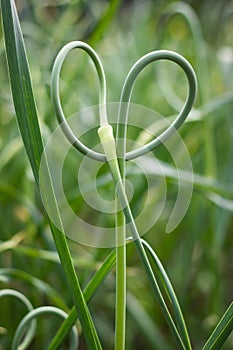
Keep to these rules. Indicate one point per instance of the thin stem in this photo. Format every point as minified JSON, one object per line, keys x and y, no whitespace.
{"x":108,"y":143}
{"x":109,"y":146}
{"x":121,"y":285}
{"x":114,"y":168}
{"x":120,"y":317}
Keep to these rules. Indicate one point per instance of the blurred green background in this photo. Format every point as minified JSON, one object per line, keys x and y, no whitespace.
{"x":198,"y":254}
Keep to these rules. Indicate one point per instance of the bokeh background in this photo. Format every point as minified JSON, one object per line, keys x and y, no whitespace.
{"x":198,"y":254}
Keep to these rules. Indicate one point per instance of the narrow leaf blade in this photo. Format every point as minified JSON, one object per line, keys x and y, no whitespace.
{"x":21,"y":86}
{"x":27,"y":118}
{"x":221,"y":331}
{"x":167,"y":288}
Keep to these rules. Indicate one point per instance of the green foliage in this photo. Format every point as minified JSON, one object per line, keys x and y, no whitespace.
{"x":198,"y":254}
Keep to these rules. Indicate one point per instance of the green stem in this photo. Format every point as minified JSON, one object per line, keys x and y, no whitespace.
{"x":121,"y":284}
{"x":109,"y":146}
{"x":113,"y":165}
{"x":120,"y":317}
{"x":108,"y":143}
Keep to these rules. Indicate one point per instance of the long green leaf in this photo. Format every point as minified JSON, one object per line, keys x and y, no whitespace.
{"x":166,"y":287}
{"x":29,"y":127}
{"x":221,"y":331}
{"x":21,"y":86}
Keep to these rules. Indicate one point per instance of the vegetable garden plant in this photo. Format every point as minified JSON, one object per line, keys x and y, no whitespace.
{"x":78,"y":320}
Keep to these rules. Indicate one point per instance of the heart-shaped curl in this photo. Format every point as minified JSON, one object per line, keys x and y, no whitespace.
{"x":125,"y":100}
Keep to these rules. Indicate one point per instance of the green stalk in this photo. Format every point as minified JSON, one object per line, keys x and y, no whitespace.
{"x":121,"y":285}
{"x":120,"y":313}
{"x":120,"y":316}
{"x":108,"y":143}
{"x":113,"y":165}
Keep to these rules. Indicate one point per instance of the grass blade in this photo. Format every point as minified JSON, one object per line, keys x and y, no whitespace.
{"x":29,"y":127}
{"x":100,"y":275}
{"x":21,"y":85}
{"x":105,"y":20}
{"x":221,"y":331}
{"x":221,"y":202}
{"x":167,"y":288}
